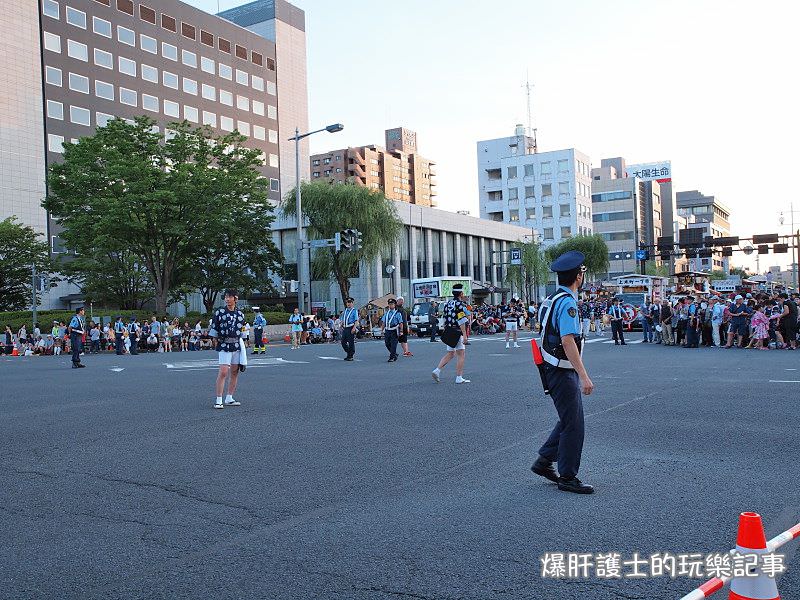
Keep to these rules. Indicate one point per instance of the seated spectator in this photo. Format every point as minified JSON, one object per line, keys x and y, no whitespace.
{"x":152,"y":342}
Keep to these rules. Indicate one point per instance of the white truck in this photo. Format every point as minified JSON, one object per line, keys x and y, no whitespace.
{"x":634,"y":289}
{"x":429,"y":290}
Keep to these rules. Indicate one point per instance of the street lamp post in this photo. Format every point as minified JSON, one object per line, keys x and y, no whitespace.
{"x":796,"y":236}
{"x":301,"y":282}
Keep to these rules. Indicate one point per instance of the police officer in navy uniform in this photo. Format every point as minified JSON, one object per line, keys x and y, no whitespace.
{"x":76,"y":330}
{"x":349,"y":327}
{"x":566,"y":376}
{"x":391,"y":323}
{"x":133,"y":334}
{"x":259,"y":322}
{"x":119,"y":334}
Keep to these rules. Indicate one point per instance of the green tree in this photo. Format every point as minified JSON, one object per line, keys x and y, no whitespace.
{"x":533,"y":272}
{"x":650,"y":268}
{"x":111,"y":277}
{"x":740,"y":271}
{"x":20,"y":249}
{"x":163,"y":201}
{"x":329,"y":208}
{"x":593,"y":247}
{"x":717,"y":274}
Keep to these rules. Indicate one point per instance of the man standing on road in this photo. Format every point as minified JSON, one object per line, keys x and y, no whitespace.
{"x":585,"y":315}
{"x":349,"y":325}
{"x":259,"y":322}
{"x":76,"y":331}
{"x":391,"y":323}
{"x":433,"y":319}
{"x":511,"y":320}
{"x":617,"y":314}
{"x":133,"y":333}
{"x":402,"y":334}
{"x":666,"y":323}
{"x":119,"y":334}
{"x":565,"y":375}
{"x":227,"y":325}
{"x":738,"y":326}
{"x":454,"y":335}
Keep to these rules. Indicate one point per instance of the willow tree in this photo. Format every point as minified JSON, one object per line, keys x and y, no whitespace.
{"x":533,"y":271}
{"x":331,"y":207}
{"x":593,"y":247}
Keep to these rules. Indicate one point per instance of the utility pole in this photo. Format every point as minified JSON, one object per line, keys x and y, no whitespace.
{"x":33,"y":294}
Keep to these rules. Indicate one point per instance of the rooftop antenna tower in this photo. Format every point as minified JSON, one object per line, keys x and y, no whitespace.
{"x":532,"y":147}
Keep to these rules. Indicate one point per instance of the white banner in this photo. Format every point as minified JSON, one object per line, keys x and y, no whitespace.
{"x":658,"y":171}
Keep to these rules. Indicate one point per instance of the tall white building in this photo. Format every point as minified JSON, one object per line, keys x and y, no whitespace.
{"x":550,"y":192}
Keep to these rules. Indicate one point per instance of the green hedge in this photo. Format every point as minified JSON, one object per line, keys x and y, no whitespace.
{"x":46,"y":317}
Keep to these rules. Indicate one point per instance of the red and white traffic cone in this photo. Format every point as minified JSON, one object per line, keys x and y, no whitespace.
{"x":751,"y":540}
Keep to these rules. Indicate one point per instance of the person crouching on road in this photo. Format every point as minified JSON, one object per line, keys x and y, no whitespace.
{"x":391,"y":324}
{"x":454,"y":335}
{"x":227,"y":325}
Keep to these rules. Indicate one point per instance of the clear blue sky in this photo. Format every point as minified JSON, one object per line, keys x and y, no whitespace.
{"x":709,"y":84}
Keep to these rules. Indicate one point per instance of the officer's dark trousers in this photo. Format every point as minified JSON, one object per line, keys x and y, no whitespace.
{"x":565,"y":443}
{"x":134,"y":345}
{"x":258,"y":339}
{"x":119,"y":343}
{"x":433,"y":331}
{"x":348,"y":342}
{"x":76,"y":342}
{"x":390,"y":339}
{"x":616,"y":331}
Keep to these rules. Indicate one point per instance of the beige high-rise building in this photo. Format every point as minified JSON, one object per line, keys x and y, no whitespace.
{"x":396,"y":169}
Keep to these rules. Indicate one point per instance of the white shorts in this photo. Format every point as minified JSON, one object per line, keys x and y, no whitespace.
{"x":459,"y":345}
{"x":229,"y":358}
{"x":512,"y":325}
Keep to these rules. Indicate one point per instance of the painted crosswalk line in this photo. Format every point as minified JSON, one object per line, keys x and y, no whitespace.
{"x":213,"y":364}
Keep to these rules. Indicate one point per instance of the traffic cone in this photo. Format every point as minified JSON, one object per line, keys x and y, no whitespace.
{"x":751,"y":540}
{"x":15,"y":352}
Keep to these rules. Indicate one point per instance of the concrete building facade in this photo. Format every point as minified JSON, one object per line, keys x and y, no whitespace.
{"x":546,"y":191}
{"x":710,"y":216}
{"x":396,"y":169}
{"x":627,"y":213}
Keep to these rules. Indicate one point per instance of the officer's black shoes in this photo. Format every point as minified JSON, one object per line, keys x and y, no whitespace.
{"x":349,"y":358}
{"x":78,"y":366}
{"x":544,"y":467}
{"x":574,"y":485}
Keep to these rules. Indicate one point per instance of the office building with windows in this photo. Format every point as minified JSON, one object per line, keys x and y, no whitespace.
{"x":397,"y":169}
{"x":546,"y":191}
{"x":627,"y":214}
{"x":433,"y":243}
{"x":72,"y":65}
{"x":710,"y":216}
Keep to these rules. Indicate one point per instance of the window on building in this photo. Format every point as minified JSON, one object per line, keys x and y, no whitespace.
{"x":529,"y":191}
{"x":52,"y":42}
{"x":50,"y":9}
{"x":170,"y":80}
{"x":547,"y":190}
{"x":209,"y":118}
{"x":566,"y":232}
{"x":243,"y":127}
{"x":208,"y":65}
{"x":80,"y":116}
{"x":55,"y":143}
{"x":171,"y":109}
{"x":79,"y":83}
{"x":129,"y":97}
{"x":224,"y":45}
{"x":190,"y":113}
{"x":127,"y":66}
{"x":617,"y":236}
{"x":148,"y":43}
{"x":258,"y":107}
{"x":169,"y":51}
{"x":621,"y":215}
{"x":513,"y":194}
{"x":147,"y":14}
{"x":52,"y":76}
{"x":225,"y":71}
{"x":257,"y":59}
{"x":103,"y":59}
{"x":530,"y":213}
{"x":77,"y":50}
{"x":272,"y":89}
{"x":272,"y":112}
{"x":259,"y":132}
{"x":511,"y":172}
{"x":513,"y":215}
{"x":563,"y":187}
{"x":226,"y":98}
{"x":150,"y":103}
{"x":55,"y":110}
{"x":125,"y":6}
{"x":563,"y":166}
{"x":206,"y":38}
{"x":529,"y":170}
{"x":169,"y":23}
{"x":226,"y":123}
{"x":103,"y":119}
{"x":243,"y":103}
{"x":149,"y":73}
{"x":545,"y":168}
{"x":101,"y":27}
{"x":270,"y":64}
{"x":188,"y":31}
{"x":273,"y":160}
{"x":258,"y":83}
{"x":126,"y":36}
{"x":209,"y":92}
{"x":189,"y":58}
{"x":565,"y":210}
{"x":76,"y":17}
{"x":190,"y":86}
{"x":547,"y":212}
{"x":548,"y":233}
{"x":272,"y":136}
{"x":103,"y":90}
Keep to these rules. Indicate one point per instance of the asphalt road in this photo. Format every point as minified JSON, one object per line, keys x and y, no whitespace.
{"x":366,"y":480}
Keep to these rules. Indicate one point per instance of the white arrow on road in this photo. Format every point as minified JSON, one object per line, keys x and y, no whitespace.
{"x":117,"y":369}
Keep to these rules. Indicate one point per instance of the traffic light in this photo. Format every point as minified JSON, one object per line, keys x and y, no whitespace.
{"x":345,"y":240}
{"x":358,"y":239}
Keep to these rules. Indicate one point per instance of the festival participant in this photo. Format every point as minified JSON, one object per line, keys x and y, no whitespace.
{"x":227,"y":326}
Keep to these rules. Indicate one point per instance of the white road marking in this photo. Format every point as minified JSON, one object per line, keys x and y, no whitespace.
{"x":606,"y":342}
{"x":632,"y":342}
{"x":784,"y":380}
{"x":213,"y":364}
{"x":786,"y":369}
{"x":330,"y":358}
{"x":117,"y":369}
{"x":594,"y":341}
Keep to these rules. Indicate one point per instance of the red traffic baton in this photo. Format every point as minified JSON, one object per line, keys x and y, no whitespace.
{"x":538,"y":360}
